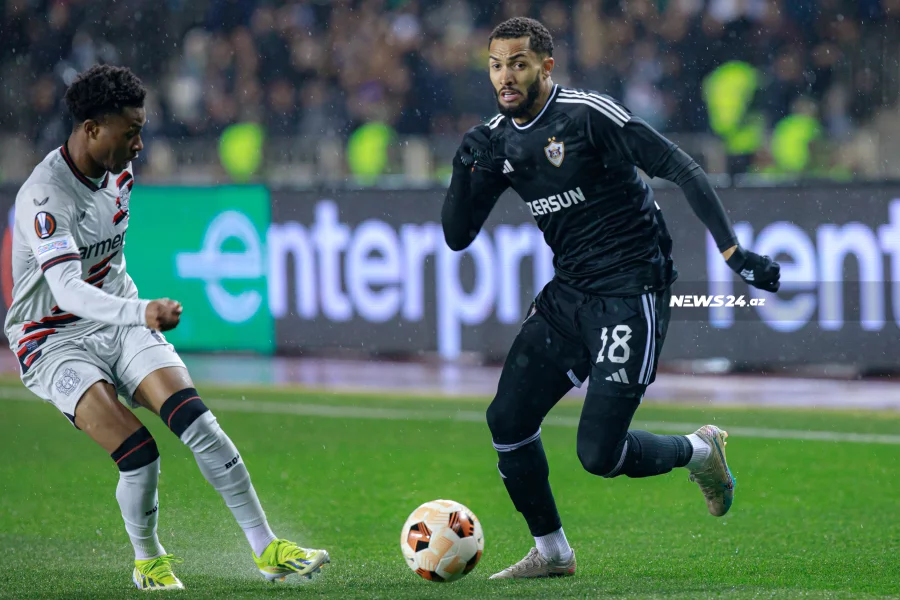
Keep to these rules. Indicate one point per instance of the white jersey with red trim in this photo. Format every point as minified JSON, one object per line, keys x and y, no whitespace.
{"x":62,"y":216}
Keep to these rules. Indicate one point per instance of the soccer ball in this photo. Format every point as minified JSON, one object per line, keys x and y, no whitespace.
{"x":442,"y":541}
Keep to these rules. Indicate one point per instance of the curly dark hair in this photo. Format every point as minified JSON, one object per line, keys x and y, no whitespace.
{"x":103,"y":90}
{"x":540,"y":39}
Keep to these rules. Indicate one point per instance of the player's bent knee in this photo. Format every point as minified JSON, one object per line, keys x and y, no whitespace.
{"x":602,"y":457}
{"x":101,"y":416}
{"x":509,"y":426}
{"x":136,"y":452}
{"x":495,"y":417}
{"x":181,"y":410}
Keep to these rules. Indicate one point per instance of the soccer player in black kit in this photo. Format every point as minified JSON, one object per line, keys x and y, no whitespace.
{"x":572,"y":156}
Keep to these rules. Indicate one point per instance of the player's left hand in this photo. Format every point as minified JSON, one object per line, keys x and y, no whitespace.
{"x":759,"y":271}
{"x":475,"y":148}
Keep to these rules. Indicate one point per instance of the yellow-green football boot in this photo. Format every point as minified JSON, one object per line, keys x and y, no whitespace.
{"x":282,"y":558}
{"x":156,"y":574}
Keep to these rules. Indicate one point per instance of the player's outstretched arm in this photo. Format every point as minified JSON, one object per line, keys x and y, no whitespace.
{"x":646,"y":148}
{"x":73,"y":295}
{"x":473,"y":192}
{"x":759,"y":271}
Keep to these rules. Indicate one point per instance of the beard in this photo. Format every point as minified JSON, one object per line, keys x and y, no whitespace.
{"x":525,"y":106}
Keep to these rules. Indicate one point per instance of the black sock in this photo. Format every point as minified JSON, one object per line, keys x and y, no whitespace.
{"x":526,"y":476}
{"x":650,"y":454}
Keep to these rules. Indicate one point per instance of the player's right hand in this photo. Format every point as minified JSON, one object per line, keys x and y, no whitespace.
{"x":475,"y":149}
{"x":759,"y":271}
{"x":163,"y":314}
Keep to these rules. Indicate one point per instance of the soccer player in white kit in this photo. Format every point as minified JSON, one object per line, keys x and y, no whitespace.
{"x":83,"y":335}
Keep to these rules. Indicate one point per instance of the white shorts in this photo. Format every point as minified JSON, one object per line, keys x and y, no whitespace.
{"x":121,"y":355}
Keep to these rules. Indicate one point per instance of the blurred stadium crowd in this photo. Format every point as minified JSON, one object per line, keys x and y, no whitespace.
{"x":760,"y":86}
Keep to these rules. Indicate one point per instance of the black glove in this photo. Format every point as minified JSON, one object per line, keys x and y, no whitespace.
{"x":475,"y":149}
{"x":759,"y":271}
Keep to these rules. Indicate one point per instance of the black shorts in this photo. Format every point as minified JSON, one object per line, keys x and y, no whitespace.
{"x":616,"y":341}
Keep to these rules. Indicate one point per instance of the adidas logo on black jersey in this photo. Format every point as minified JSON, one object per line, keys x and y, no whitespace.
{"x":552,"y":204}
{"x":507,"y":168}
{"x":619,"y":377}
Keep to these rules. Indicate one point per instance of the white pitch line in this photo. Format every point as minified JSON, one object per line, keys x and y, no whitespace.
{"x":471,"y":416}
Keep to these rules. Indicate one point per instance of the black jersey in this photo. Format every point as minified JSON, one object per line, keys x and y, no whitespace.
{"x":574,"y":165}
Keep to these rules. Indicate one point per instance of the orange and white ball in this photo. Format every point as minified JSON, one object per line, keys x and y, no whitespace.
{"x":442,"y":541}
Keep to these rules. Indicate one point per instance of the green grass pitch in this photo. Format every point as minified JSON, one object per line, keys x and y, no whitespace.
{"x":811,"y":519}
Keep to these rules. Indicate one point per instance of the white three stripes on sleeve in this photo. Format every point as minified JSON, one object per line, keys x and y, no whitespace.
{"x":600,"y":101}
{"x":597,"y":102}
